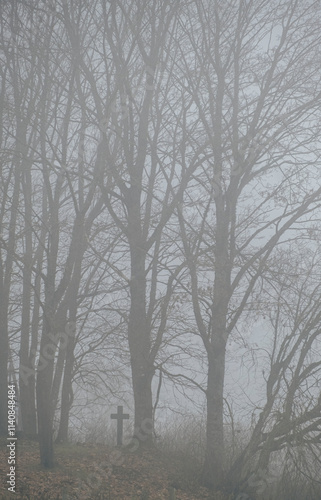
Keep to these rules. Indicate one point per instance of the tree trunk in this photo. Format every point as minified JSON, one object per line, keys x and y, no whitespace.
{"x":214,"y":453}
{"x":44,"y":391}
{"x":72,"y":302}
{"x":5,"y":285}
{"x":25,"y":369}
{"x":139,"y":345}
{"x":44,"y":426}
{"x":26,"y":373}
{"x":142,"y":381}
{"x":3,"y":370}
{"x":27,"y":401}
{"x":44,"y":411}
{"x":66,"y":398}
{"x":66,"y":395}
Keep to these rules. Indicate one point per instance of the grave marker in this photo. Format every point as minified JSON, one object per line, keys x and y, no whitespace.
{"x":119,"y":416}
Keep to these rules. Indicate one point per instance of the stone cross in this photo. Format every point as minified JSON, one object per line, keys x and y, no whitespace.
{"x":119,"y":416}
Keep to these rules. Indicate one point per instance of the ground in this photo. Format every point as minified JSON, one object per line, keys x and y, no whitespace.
{"x":99,"y":473}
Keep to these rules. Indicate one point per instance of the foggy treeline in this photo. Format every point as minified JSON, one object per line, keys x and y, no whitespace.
{"x":160,"y":199}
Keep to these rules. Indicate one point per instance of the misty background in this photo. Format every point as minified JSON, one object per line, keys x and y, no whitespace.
{"x":160,"y":228}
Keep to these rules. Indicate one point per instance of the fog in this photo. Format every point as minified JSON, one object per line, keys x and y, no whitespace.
{"x":160,"y":234}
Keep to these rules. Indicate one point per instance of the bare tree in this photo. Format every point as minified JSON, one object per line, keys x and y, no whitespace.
{"x":289,"y":415}
{"x":13,"y":148}
{"x":139,"y":117}
{"x":253,"y":74}
{"x":57,"y":218}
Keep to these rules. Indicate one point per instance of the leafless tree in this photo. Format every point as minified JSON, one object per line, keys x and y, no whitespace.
{"x":13,"y":149}
{"x":140,"y":131}
{"x":288,"y":417}
{"x":59,"y":203}
{"x":252,"y":71}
